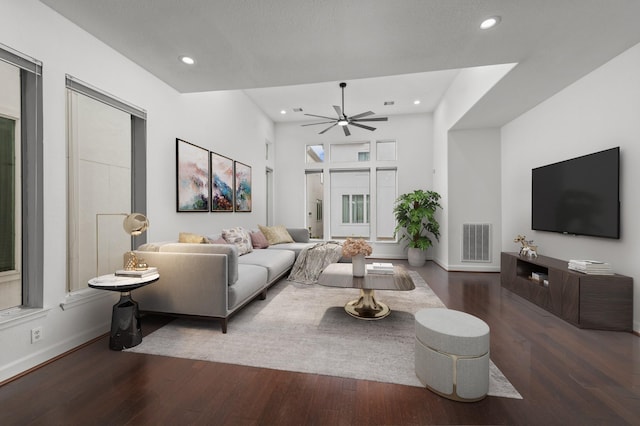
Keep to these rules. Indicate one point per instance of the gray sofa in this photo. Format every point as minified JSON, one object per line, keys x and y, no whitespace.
{"x":211,"y":280}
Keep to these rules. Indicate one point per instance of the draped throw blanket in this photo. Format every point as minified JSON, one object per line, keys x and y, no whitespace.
{"x":312,"y":260}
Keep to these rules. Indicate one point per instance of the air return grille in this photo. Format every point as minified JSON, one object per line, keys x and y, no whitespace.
{"x":476,"y":242}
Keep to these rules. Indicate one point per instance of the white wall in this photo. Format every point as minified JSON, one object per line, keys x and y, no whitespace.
{"x":469,"y":86}
{"x":225,"y":122}
{"x":474,"y":192}
{"x":413,"y":134}
{"x":599,"y":111}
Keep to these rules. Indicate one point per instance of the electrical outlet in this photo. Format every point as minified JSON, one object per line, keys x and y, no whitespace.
{"x":36,"y":334}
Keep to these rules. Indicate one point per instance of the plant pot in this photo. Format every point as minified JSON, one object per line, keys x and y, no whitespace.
{"x":357,"y":263}
{"x":416,"y":256}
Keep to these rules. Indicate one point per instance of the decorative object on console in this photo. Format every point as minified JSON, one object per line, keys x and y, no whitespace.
{"x":356,"y":249}
{"x":192,"y":176}
{"x":526,"y":249}
{"x":243,"y":187}
{"x":591,"y":267}
{"x":135,"y":224}
{"x":415,"y":217}
{"x":222,"y":187}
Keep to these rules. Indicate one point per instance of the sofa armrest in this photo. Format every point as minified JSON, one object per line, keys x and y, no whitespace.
{"x":190,"y":283}
{"x":299,"y":235}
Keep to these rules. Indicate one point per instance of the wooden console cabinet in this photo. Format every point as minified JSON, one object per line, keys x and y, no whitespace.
{"x":603,"y":302}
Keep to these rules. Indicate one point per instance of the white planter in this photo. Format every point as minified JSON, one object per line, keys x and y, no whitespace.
{"x":416,"y":256}
{"x":357,"y":263}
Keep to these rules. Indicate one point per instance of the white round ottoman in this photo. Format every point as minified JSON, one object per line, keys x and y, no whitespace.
{"x":452,"y":353}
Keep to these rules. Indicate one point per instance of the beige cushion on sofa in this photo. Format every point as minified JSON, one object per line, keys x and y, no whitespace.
{"x":276,"y":234}
{"x":188,"y":237}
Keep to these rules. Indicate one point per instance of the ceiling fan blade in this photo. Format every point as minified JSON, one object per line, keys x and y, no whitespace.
{"x":338,"y":110}
{"x":364,"y":114}
{"x":321,"y":116}
{"x":330,"y":127}
{"x":363,"y":126}
{"x":322,"y":122}
{"x":346,"y":131}
{"x":371,"y":119}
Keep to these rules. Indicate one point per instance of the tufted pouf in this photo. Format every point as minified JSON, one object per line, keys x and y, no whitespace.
{"x":452,"y":353}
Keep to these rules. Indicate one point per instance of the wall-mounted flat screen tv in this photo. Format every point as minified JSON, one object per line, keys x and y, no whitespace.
{"x":580,"y":196}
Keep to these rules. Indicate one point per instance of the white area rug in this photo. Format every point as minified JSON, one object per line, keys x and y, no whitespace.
{"x":304,"y":328}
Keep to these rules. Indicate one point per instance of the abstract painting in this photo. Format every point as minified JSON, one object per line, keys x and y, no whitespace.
{"x":221,"y":183}
{"x":243,"y":187}
{"x":192,"y":176}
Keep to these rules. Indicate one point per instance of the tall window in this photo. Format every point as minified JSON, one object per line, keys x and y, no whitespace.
{"x":314,"y":202}
{"x":106,"y":139}
{"x":361,"y":191}
{"x":21,"y":212}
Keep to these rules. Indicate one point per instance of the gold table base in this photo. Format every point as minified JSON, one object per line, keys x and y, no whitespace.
{"x":367,"y":307}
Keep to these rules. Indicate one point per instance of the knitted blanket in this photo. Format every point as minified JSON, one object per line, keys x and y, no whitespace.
{"x":312,"y":260}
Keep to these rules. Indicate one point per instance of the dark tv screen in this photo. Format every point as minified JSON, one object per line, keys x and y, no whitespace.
{"x":579,"y":196}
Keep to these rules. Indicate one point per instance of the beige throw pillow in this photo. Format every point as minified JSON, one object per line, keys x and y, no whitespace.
{"x":276,"y":234}
{"x":188,"y":237}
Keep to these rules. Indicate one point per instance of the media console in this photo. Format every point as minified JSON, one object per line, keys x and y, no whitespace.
{"x":603,"y":302}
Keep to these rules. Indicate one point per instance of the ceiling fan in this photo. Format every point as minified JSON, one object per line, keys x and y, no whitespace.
{"x":343,"y":120}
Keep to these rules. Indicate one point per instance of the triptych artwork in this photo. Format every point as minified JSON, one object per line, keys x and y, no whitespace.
{"x":208,"y":181}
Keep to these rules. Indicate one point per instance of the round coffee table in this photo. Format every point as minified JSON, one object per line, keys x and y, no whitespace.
{"x":126,"y":331}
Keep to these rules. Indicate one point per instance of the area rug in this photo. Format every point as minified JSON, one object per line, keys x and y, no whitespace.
{"x":304,"y":328}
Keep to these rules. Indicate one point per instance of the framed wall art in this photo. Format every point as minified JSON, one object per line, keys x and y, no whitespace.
{"x":243,"y":187}
{"x":222,"y":187}
{"x":192,"y":177}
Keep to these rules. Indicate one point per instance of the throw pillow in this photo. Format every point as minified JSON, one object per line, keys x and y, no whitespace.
{"x":218,"y":240}
{"x":276,"y":234}
{"x":258,"y":240}
{"x":240,"y":237}
{"x":188,"y":237}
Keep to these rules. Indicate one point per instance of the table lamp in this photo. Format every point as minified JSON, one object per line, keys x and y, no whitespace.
{"x":134,"y":224}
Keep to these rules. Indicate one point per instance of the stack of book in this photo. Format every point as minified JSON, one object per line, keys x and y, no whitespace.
{"x":137,"y":274}
{"x":591,"y":267}
{"x":380,"y":268}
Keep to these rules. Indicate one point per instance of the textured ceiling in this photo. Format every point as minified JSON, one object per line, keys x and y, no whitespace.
{"x":252,"y":44}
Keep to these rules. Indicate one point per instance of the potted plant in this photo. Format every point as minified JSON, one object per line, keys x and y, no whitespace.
{"x":415,"y":221}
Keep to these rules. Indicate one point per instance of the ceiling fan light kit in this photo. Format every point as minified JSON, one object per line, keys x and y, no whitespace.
{"x":344,"y":120}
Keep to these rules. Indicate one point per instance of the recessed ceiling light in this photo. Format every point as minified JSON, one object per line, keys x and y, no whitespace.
{"x":283,"y":112}
{"x":416,"y":102}
{"x":187,"y":60}
{"x":490,"y":22}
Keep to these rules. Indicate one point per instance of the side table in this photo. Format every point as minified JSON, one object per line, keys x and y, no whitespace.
{"x":125,"y":318}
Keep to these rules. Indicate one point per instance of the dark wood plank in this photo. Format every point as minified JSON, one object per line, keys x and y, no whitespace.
{"x":566,"y":375}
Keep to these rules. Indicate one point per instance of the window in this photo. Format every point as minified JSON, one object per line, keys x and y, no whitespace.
{"x":21,"y":236}
{"x":315,"y":154}
{"x":106,"y":180}
{"x":361,"y":190}
{"x":349,"y":203}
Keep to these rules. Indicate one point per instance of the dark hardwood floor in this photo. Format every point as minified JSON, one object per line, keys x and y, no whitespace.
{"x":567,"y":376}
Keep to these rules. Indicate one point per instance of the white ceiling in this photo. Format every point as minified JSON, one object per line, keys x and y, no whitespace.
{"x":293,"y":53}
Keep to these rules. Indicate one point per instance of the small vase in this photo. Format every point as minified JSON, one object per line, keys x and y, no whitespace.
{"x":357,"y":262}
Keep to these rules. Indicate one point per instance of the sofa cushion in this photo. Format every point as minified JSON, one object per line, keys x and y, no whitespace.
{"x":230,"y":250}
{"x":188,"y":237}
{"x":294,"y":247}
{"x":240,"y":237}
{"x":258,"y":240}
{"x":252,"y":280}
{"x":277,"y":262}
{"x":299,"y":235}
{"x":276,"y":234}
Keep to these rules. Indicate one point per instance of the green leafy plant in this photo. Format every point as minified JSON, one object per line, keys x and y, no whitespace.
{"x":415,"y":217}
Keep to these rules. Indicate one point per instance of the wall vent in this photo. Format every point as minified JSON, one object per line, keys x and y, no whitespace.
{"x":476,"y":242}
